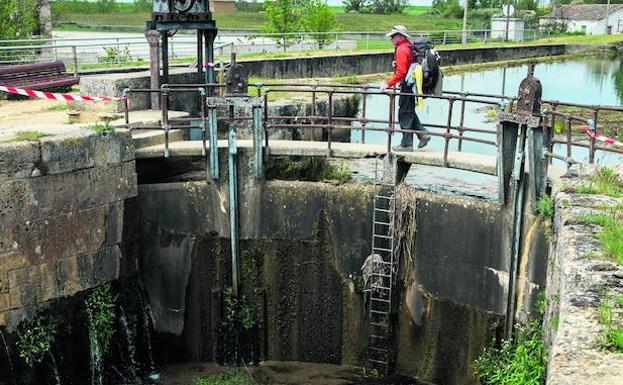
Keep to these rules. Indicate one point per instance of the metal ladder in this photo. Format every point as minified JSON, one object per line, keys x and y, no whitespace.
{"x":384,"y":275}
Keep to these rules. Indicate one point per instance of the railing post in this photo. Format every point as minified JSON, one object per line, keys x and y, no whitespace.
{"x":313,"y":113}
{"x":591,"y":152}
{"x":364,"y":114}
{"x":330,"y":121}
{"x":445,"y":36}
{"x":204,"y":121}
{"x":233,"y":207}
{"x":462,"y":122}
{"x":448,"y":134}
{"x":75,"y":57}
{"x":165,"y":118}
{"x":390,"y":127}
{"x":213,"y":127}
{"x":257,"y":142}
{"x":266,"y":91}
{"x":126,"y":107}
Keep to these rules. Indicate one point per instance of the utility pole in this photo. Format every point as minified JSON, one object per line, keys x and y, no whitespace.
{"x":607,"y":16}
{"x":464,"y":39}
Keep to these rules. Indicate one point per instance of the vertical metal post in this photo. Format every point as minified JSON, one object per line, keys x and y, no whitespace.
{"x":364,"y":110}
{"x":165,"y":57}
{"x":126,"y":107}
{"x":200,"y":77}
{"x":75,"y":57}
{"x":204,"y":120}
{"x":330,"y":120}
{"x":390,"y":128}
{"x":233,"y":207}
{"x":462,"y":123}
{"x":165,"y":119}
{"x":518,"y":184}
{"x":313,"y":113}
{"x":266,"y":90}
{"x":257,"y":142}
{"x":209,"y":65}
{"x":569,"y":149}
{"x":448,"y":134}
{"x":591,"y":150}
{"x":213,"y":127}
{"x":153,"y":39}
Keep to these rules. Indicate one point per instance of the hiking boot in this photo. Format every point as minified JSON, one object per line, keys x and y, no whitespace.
{"x":402,"y":148}
{"x":424,"y":141}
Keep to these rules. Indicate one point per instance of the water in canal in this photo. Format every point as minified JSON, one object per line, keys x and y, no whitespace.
{"x":586,"y":80}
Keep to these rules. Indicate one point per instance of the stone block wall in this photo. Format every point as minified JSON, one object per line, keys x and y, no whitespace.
{"x":61,"y":216}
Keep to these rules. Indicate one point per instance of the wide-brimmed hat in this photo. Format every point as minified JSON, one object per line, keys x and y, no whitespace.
{"x":399,"y":30}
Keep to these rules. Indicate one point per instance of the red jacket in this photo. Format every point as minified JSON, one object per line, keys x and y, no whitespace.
{"x":403,"y":57}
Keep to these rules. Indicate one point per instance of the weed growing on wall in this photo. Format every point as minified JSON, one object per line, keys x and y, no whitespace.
{"x":520,"y":361}
{"x":605,"y":182}
{"x":36,"y":336}
{"x":611,"y":320}
{"x":101,"y":306}
{"x":238,"y":310}
{"x":611,"y":233}
{"x":102,"y":128}
{"x":545,"y":207}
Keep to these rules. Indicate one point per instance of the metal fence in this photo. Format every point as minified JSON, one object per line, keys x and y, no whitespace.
{"x":98,"y":52}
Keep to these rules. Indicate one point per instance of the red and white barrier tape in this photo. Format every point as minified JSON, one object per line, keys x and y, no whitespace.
{"x":602,"y":138}
{"x":57,"y":96}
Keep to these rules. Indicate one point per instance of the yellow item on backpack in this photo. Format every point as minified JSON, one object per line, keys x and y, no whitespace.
{"x":418,"y":75}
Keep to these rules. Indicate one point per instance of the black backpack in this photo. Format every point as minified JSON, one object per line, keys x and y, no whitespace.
{"x":425,"y":54}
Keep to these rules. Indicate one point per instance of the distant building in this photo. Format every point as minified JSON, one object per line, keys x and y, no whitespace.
{"x":588,"y":18}
{"x":515,"y":28}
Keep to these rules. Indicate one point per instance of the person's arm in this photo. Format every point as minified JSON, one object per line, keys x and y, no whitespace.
{"x":402,"y":66}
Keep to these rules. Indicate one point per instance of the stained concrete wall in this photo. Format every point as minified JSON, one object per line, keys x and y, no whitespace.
{"x":61,"y":216}
{"x":310,"y":240}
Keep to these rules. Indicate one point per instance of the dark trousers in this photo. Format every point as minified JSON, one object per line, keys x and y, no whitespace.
{"x":407,"y":117}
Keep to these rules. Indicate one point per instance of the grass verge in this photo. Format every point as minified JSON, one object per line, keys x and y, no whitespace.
{"x":236,"y":377}
{"x":611,"y":320}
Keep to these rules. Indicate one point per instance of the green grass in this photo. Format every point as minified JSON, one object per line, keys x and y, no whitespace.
{"x":545,"y":207}
{"x":254,"y":21}
{"x":237,"y":377}
{"x":611,"y":320}
{"x":102,"y":128}
{"x":516,"y":362}
{"x":611,"y":234}
{"x":29,"y":136}
{"x":59,"y":107}
{"x":605,"y":182}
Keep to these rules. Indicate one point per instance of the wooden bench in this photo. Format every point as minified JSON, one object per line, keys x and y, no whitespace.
{"x":39,"y":76}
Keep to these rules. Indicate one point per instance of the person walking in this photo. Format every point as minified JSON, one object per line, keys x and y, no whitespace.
{"x":408,"y":119}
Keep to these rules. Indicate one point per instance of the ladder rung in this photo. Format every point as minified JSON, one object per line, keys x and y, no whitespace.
{"x":380,"y":300}
{"x":383,"y":236}
{"x":390,"y":198}
{"x":378,"y":312}
{"x":382,"y":350}
{"x":377,"y":361}
{"x":383,"y":210}
{"x":382,"y":249}
{"x":382,"y":223}
{"x":379,"y":324}
{"x":381,"y":275}
{"x":378,"y":336}
{"x":382,"y":287}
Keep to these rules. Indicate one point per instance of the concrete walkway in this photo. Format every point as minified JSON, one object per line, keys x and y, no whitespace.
{"x":457,"y":160}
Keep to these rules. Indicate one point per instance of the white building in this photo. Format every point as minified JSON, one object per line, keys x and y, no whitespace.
{"x":592,"y":19}
{"x":515,"y":28}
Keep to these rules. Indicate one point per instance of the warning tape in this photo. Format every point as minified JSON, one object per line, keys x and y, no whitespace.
{"x":57,"y":96}
{"x":602,"y":138}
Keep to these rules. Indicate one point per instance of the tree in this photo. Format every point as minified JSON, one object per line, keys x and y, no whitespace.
{"x":353,"y":5}
{"x":284,"y":17}
{"x":19,"y":18}
{"x":385,"y":7}
{"x":319,"y":18}
{"x":448,"y":8}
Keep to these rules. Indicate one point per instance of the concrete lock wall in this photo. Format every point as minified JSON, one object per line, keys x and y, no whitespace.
{"x":61,"y":216}
{"x":303,"y":245}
